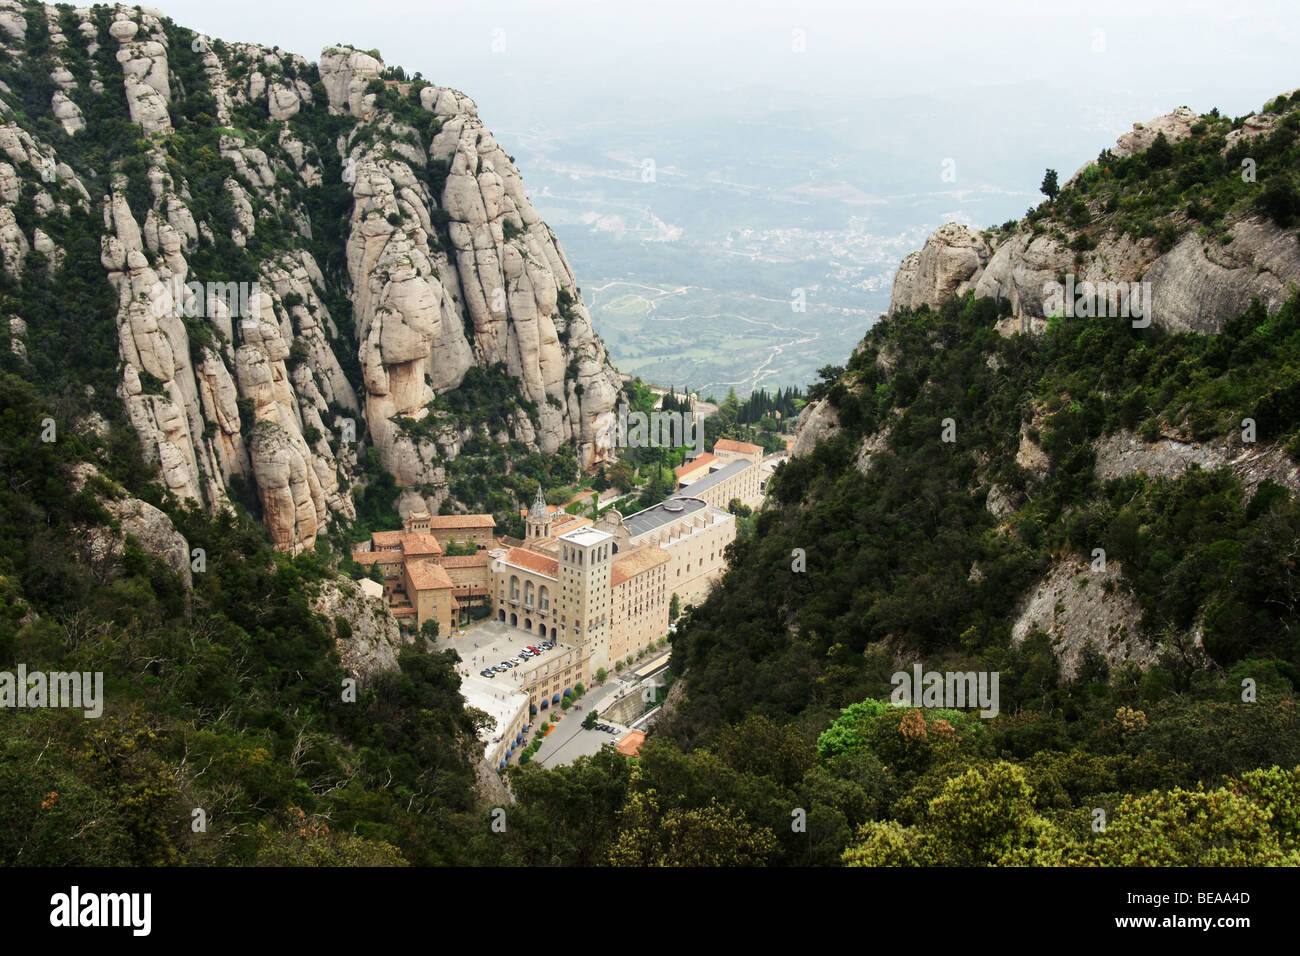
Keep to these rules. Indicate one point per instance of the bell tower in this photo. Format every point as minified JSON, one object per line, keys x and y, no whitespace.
{"x":586,"y":556}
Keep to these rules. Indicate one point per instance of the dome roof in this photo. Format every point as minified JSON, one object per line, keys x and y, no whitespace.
{"x":539,"y":510}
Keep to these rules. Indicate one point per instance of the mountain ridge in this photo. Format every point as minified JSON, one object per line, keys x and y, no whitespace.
{"x":381,"y":240}
{"x":975,"y":451}
{"x":1205,"y":266}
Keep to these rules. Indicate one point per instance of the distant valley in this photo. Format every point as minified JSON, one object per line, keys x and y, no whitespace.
{"x":692,"y":238}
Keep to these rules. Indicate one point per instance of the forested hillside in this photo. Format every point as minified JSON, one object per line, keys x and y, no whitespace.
{"x":224,"y":692}
{"x":1105,"y":513}
{"x":1101,"y":511}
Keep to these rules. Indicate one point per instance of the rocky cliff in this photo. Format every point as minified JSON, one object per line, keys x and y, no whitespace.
{"x":304,"y":257}
{"x":1039,"y":423}
{"x":1211,"y":254}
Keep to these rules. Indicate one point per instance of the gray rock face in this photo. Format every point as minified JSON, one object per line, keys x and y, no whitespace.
{"x":904,"y":288}
{"x":999,"y":502}
{"x":512,"y":287}
{"x":344,"y":72}
{"x":1019,"y":270}
{"x":1176,"y":126}
{"x":143,"y":56}
{"x":949,"y":264}
{"x":817,"y":421}
{"x":428,"y":308}
{"x":249,"y":377}
{"x":1195,"y":286}
{"x":1030,"y":454}
{"x":292,"y":500}
{"x":140,"y":520}
{"x":1125,"y":453}
{"x":375,"y":638}
{"x":1072,"y":605}
{"x":871,"y":446}
{"x":1199,"y":286}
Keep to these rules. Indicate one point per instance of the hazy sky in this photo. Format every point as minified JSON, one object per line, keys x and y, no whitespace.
{"x":521,"y":58}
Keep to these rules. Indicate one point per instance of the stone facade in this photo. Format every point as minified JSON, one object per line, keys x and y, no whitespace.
{"x":728,"y":450}
{"x":421,"y":583}
{"x":639,"y":612}
{"x":587,"y":587}
{"x":691,"y":531}
{"x":463,"y":529}
{"x":739,"y":477}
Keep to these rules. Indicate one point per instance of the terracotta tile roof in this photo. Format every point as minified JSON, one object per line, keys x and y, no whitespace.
{"x":532,"y":561}
{"x":562,"y":521}
{"x":566,"y":523}
{"x":420,"y":542}
{"x":453,"y":522}
{"x":427,"y":576}
{"x":631,"y":563}
{"x":742,"y":447}
{"x":480,"y":560}
{"x":700,"y":461}
{"x":386,"y":539}
{"x":377,"y":557}
{"x":630,"y":746}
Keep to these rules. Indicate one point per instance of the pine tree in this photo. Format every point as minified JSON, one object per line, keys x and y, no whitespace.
{"x":1049,"y":188}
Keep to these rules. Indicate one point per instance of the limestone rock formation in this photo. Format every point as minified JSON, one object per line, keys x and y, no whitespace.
{"x":999,"y":502}
{"x":1078,"y":607}
{"x":143,"y":57}
{"x":140,"y":520}
{"x":495,"y":288}
{"x":368,"y":646}
{"x":817,"y":421}
{"x":292,"y":499}
{"x":1197,"y":285}
{"x":1126,"y":453}
{"x":871,"y":446}
{"x":247,"y":368}
{"x":345,"y":73}
{"x":1019,"y":270}
{"x":948,"y":265}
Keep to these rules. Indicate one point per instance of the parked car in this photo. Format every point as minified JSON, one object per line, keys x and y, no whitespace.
{"x":516,"y":661}
{"x":506,"y":665}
